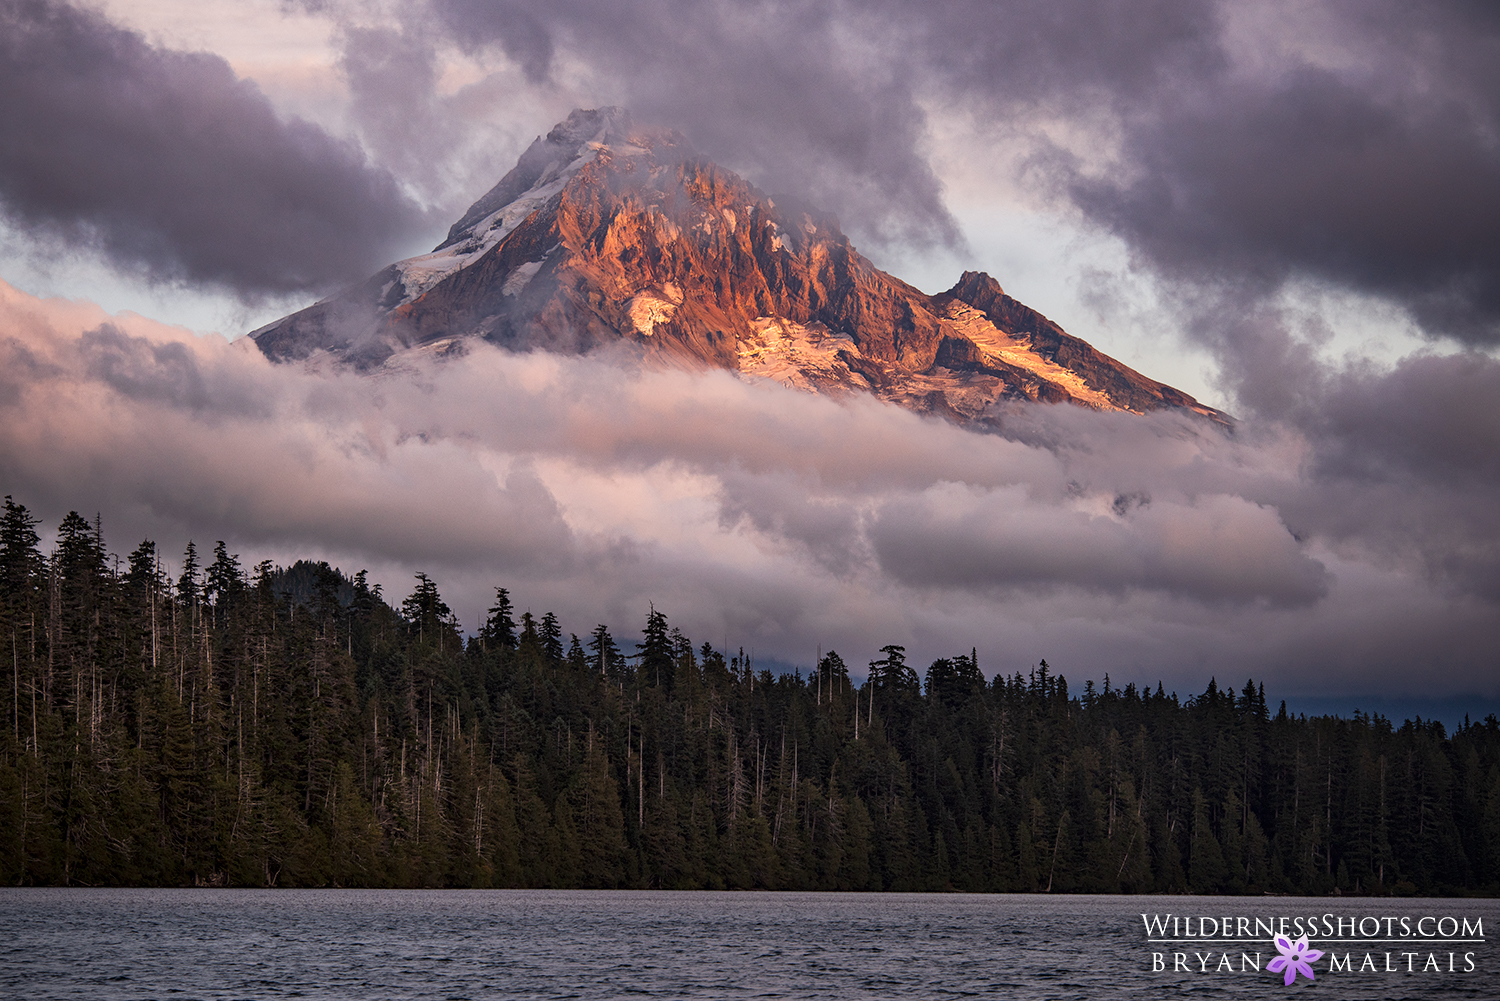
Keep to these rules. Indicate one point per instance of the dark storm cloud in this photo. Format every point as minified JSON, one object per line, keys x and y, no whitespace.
{"x":1060,"y":55}
{"x":171,"y":165}
{"x":825,"y":100}
{"x":1348,"y":143}
{"x":784,"y":92}
{"x":1352,"y":144}
{"x":1313,"y":176}
{"x":1406,"y":462}
{"x":392,"y":75}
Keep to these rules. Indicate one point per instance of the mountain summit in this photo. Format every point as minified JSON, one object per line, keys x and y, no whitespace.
{"x":606,"y":232}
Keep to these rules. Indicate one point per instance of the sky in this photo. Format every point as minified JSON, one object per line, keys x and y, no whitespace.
{"x":1289,"y":210}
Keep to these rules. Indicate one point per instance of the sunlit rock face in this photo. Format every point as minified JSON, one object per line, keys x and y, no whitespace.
{"x":606,"y":233}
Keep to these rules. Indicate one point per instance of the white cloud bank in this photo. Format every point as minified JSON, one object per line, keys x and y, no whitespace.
{"x":1149,"y":548}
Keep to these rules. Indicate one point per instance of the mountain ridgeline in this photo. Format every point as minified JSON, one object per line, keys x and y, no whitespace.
{"x":290,"y":727}
{"x":607,"y":234}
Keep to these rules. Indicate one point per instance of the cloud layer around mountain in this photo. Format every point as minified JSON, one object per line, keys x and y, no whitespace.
{"x":174,"y":168}
{"x":764,"y":517}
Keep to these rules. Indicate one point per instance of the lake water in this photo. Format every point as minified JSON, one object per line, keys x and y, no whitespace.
{"x":107,"y":944}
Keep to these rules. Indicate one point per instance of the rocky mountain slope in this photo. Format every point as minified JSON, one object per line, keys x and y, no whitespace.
{"x":604,"y":232}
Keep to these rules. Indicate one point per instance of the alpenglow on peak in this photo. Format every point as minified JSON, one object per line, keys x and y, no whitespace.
{"x":606,"y":232}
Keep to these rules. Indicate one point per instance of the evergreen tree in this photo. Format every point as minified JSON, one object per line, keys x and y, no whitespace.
{"x":308,"y":733}
{"x":188,"y":585}
{"x":656,"y":651}
{"x":606,"y":658}
{"x":224,"y":581}
{"x":594,"y":799}
{"x":577,"y":659}
{"x":551,"y":633}
{"x":20,"y":559}
{"x":499,"y":631}
{"x":425,"y":611}
{"x":529,"y":640}
{"x":891,"y":673}
{"x":144,"y":576}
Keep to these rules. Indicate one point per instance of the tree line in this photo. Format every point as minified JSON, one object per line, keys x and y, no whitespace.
{"x":271,"y":726}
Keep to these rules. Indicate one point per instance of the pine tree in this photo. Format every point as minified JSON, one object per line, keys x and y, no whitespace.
{"x":21,"y":590}
{"x":20,"y":559}
{"x":551,"y":633}
{"x":606,"y":660}
{"x":224,"y":581}
{"x":538,"y":846}
{"x":308,"y":733}
{"x":578,"y":660}
{"x":425,"y":611}
{"x":188,"y":585}
{"x":663,"y":846}
{"x":499,"y":630}
{"x":656,"y":651}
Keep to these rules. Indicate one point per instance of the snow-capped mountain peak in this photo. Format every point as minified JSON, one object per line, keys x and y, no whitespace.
{"x":541,"y":173}
{"x":606,"y":232}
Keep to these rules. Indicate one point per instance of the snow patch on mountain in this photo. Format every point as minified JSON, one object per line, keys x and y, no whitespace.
{"x":418,"y":274}
{"x":799,"y":357}
{"x":548,"y":165}
{"x":647,"y":309}
{"x":518,"y":279}
{"x":999,"y":346}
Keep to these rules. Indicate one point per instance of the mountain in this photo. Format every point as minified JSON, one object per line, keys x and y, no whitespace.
{"x":605,"y":232}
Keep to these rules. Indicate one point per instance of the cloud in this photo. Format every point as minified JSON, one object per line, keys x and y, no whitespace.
{"x":1254,"y":145}
{"x":1352,"y":145}
{"x":764,"y":517}
{"x":1347,"y":145}
{"x":393,"y":77}
{"x":1344,"y":536}
{"x":1411,"y":453}
{"x":171,"y":166}
{"x":159,"y":372}
{"x":791,"y":94}
{"x":1312,"y":176}
{"x":1218,"y":548}
{"x":829,"y":102}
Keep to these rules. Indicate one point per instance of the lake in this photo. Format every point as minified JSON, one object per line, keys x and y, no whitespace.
{"x":399,"y":944}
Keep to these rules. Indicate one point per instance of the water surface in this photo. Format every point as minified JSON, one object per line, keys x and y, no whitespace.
{"x":408,"y":944}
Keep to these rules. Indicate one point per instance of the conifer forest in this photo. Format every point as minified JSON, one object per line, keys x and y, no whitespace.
{"x":263,"y":726}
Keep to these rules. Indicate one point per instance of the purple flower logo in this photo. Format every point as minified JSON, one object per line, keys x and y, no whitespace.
{"x":1296,"y":957}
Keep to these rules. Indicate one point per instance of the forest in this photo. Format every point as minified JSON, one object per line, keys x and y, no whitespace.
{"x":269,"y":726}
